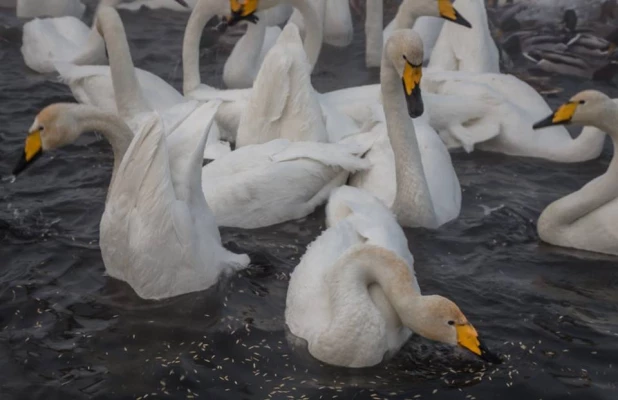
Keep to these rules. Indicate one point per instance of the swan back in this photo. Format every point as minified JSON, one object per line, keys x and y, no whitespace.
{"x":282,"y":103}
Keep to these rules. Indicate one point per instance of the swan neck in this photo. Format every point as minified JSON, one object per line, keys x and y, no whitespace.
{"x":201,"y":14}
{"x":313,"y":29}
{"x":366,"y":265}
{"x":406,"y":15}
{"x":117,"y":133}
{"x":592,"y":196}
{"x":412,"y":205}
{"x":127,"y":91}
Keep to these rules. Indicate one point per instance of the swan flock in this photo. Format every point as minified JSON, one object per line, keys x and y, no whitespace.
{"x":376,"y":156}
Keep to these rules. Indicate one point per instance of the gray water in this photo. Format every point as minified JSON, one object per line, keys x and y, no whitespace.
{"x":69,"y":332}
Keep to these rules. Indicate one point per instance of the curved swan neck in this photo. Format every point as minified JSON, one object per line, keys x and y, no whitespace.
{"x":127,"y":91}
{"x":412,"y":205}
{"x":201,"y":14}
{"x":406,"y":14}
{"x":374,"y":37}
{"x":313,"y":28}
{"x":366,"y":265}
{"x":592,"y":196}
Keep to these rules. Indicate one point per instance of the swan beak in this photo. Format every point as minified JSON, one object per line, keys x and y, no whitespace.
{"x":182,"y":3}
{"x":561,"y":116}
{"x":468,"y":338}
{"x":32,"y":150}
{"x":412,"y":75}
{"x":244,"y":11}
{"x":448,"y":12}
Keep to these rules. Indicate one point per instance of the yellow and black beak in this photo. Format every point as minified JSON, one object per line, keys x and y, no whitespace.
{"x":561,"y":116}
{"x":468,"y":338}
{"x":411,"y":78}
{"x":244,"y":11}
{"x":32,"y":150}
{"x":449,"y":13}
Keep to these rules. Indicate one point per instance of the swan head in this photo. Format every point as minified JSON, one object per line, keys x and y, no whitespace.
{"x":436,"y":8}
{"x":585,"y":108}
{"x":442,"y":320}
{"x":404,"y":51}
{"x":53,"y":127}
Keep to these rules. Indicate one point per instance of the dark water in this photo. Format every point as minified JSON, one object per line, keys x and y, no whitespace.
{"x":67,"y":331}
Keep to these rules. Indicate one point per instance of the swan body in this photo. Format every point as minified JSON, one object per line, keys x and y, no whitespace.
{"x":92,"y":85}
{"x":157,"y":232}
{"x":278,"y":181}
{"x":442,"y":181}
{"x":466,"y":49}
{"x":354,"y":297}
{"x":248,"y":54}
{"x":292,"y":113}
{"x":49,"y":8}
{"x":47,"y":40}
{"x":516,"y":107}
{"x":587,"y":218}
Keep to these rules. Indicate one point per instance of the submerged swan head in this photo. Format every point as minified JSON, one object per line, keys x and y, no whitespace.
{"x":53,"y":127}
{"x":441,"y":320}
{"x":404,"y":51}
{"x":585,"y":108}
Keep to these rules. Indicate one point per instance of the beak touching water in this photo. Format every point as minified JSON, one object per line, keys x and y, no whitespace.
{"x":448,"y":12}
{"x":32,"y":150}
{"x":412,"y":75}
{"x":467,"y":337}
{"x":243,"y":10}
{"x":561,"y":116}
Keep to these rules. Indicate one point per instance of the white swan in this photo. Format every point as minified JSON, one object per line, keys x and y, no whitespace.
{"x":407,"y":15}
{"x":293,"y":112}
{"x":49,"y":8}
{"x":335,"y":18}
{"x":586,"y":219}
{"x":313,"y":38}
{"x":463,"y":49}
{"x":411,"y":168}
{"x":354,"y":296}
{"x":243,"y":63}
{"x":516,"y":107}
{"x":93,"y":84}
{"x":48,"y":41}
{"x":157,"y":232}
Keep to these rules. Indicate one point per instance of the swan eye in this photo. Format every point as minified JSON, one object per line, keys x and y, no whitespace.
{"x":451,"y":322}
